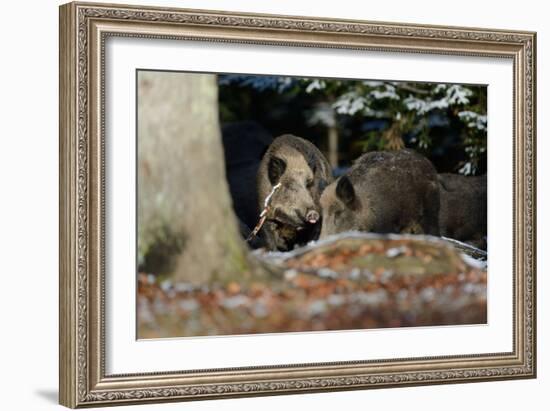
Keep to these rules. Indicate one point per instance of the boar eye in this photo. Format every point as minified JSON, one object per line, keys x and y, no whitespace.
{"x":309,"y":183}
{"x":338,"y":214}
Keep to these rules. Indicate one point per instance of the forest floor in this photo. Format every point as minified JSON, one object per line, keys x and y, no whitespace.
{"x":350,"y":282}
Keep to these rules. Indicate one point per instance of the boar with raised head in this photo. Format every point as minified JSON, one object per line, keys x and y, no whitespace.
{"x":463,"y":208}
{"x":384,"y":192}
{"x":294,"y":216}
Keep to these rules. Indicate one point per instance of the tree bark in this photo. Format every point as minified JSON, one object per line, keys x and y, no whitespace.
{"x":333,"y":146}
{"x":184,"y":205}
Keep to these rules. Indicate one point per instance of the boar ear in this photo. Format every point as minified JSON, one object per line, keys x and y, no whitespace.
{"x":313,"y":168}
{"x":346,"y":192}
{"x":275,"y":169}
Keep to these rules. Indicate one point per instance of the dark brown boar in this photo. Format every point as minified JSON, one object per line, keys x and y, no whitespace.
{"x":303,"y":172}
{"x":384,"y":192}
{"x":463,"y":208}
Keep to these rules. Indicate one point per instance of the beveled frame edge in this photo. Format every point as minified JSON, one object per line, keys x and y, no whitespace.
{"x":83,"y":29}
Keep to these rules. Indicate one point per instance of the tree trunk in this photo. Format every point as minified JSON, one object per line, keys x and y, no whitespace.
{"x":186,"y":225}
{"x":333,"y":146}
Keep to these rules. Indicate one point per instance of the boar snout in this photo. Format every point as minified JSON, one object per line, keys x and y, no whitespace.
{"x":312,"y":216}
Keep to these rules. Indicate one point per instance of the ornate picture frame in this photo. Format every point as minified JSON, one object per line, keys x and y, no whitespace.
{"x":84,"y":28}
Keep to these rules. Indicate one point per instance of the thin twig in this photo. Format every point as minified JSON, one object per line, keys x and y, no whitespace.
{"x":263,"y":214}
{"x":408,"y":87}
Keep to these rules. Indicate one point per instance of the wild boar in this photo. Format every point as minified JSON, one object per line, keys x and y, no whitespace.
{"x":294,"y":215}
{"x":463,"y":208}
{"x":384,"y":192}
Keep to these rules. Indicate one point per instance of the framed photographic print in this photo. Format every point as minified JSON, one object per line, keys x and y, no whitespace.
{"x":260,"y":204}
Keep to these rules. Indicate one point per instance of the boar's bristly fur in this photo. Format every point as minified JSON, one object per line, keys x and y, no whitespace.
{"x":463,"y":209}
{"x":294,"y":216}
{"x":384,"y":192}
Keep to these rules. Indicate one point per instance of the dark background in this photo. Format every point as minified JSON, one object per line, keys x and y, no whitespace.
{"x":389,"y":118}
